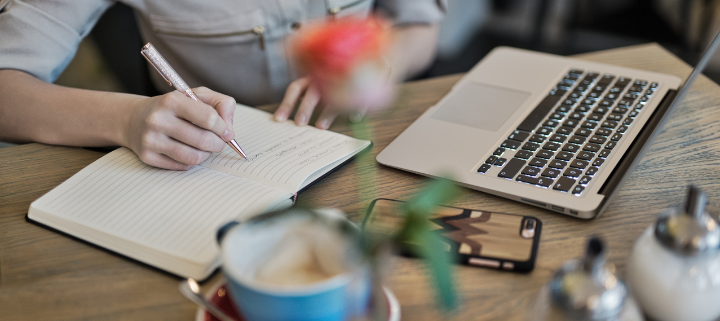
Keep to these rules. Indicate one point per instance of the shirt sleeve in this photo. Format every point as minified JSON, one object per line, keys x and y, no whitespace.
{"x":41,"y":37}
{"x":413,"y":11}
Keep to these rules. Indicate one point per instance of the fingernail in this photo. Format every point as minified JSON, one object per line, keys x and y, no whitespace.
{"x":226,"y":135}
{"x":281,"y":116}
{"x":301,"y":119}
{"x":323,"y":124}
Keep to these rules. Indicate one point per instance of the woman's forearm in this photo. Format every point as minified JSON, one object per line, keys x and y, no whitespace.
{"x":35,"y":111}
{"x":413,"y":50}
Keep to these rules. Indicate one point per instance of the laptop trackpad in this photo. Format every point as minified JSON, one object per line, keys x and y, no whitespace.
{"x":481,"y":106}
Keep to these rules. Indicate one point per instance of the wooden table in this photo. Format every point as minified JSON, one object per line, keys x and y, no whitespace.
{"x":48,"y":276}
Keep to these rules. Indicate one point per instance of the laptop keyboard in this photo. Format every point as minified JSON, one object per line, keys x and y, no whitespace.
{"x":566,"y":139}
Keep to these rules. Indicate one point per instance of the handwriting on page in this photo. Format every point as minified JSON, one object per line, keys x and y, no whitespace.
{"x":280,"y":154}
{"x":131,"y":200}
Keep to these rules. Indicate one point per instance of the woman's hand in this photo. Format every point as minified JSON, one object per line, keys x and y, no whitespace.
{"x":303,"y":91}
{"x":175,"y":132}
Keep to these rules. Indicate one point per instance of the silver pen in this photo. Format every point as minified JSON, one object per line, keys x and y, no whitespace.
{"x":173,"y":79}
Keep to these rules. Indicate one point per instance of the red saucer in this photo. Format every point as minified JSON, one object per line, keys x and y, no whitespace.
{"x":222,"y":300}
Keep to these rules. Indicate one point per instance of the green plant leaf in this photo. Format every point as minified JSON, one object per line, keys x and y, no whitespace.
{"x":428,"y":244}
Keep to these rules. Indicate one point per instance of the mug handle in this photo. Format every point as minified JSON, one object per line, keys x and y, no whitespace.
{"x":222,"y":231}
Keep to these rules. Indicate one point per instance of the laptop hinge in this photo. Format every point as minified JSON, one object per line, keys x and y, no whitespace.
{"x":637,"y":149}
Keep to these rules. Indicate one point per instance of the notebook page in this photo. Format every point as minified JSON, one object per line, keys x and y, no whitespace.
{"x":175,"y":212}
{"x":281,"y":154}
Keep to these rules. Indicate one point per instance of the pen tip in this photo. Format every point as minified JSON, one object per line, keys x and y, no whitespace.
{"x":234,"y":145}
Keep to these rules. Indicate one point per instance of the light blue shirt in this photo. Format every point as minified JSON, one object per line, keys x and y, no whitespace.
{"x":234,"y":47}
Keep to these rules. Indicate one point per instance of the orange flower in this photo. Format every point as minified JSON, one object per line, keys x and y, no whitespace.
{"x":335,"y":47}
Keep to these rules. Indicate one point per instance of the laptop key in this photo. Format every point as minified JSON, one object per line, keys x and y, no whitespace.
{"x":585,"y":155}
{"x":564,"y":184}
{"x":563,"y":109}
{"x":610,"y":145}
{"x":597,"y":139}
{"x":606,"y":79}
{"x":589,"y":124}
{"x":550,"y":123}
{"x":604,"y":153}
{"x":543,"y":131}
{"x":510,"y":144}
{"x":551,"y":172}
{"x":576,"y":116}
{"x":564,"y":130}
{"x":614,"y":117}
{"x":572,"y":172}
{"x":591,"y":171}
{"x":578,"y":189}
{"x":491,"y":160}
{"x":531,"y":146}
{"x":616,"y":137}
{"x":537,"y":162}
{"x":623,"y":81}
{"x":546,"y":154}
{"x":499,"y":151}
{"x":621,"y":130}
{"x":583,"y":108}
{"x":575,"y":139}
{"x":598,"y":162}
{"x":530,"y":171}
{"x":551,"y":146}
{"x":558,"y":92}
{"x":544,"y":181}
{"x":536,"y":138}
{"x":583,"y":132}
{"x":511,"y":168}
{"x":484,"y":168}
{"x":609,"y":124}
{"x":519,"y":135}
{"x":600,"y":110}
{"x":584,"y":180}
{"x":538,"y":114}
{"x":578,"y":163}
{"x":570,"y":123}
{"x":523,"y":154}
{"x":558,"y":138}
{"x":590,"y":147}
{"x":620,"y":110}
{"x":603,"y":132}
{"x":527,"y":179}
{"x":557,"y":116}
{"x":557,"y":164}
{"x":571,"y":148}
{"x":500,"y":162}
{"x":563,"y":155}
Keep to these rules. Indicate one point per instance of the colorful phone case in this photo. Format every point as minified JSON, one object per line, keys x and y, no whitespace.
{"x":480,"y":238}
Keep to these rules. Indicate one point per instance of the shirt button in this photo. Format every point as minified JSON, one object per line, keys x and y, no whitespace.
{"x":295,"y":25}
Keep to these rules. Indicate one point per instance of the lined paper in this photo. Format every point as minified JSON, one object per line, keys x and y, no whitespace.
{"x":176,"y":212}
{"x":283,"y":154}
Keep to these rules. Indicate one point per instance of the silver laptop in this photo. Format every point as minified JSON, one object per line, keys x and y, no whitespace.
{"x":546,"y":130}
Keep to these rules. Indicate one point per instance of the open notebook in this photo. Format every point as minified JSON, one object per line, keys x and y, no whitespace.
{"x":168,"y":219}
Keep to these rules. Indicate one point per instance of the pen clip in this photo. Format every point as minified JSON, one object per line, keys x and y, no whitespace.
{"x":142,"y":52}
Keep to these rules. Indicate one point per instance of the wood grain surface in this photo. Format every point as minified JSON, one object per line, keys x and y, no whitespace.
{"x":45,"y":275}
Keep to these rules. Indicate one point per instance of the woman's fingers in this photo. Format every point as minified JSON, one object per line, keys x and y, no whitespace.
{"x":203,"y":116}
{"x":223,"y":104}
{"x":307,"y":105}
{"x":295,"y":90}
{"x":327,"y":116}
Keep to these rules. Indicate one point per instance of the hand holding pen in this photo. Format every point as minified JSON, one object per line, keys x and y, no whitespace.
{"x":173,"y":79}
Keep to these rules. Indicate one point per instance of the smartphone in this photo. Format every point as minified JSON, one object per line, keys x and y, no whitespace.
{"x":480,"y":238}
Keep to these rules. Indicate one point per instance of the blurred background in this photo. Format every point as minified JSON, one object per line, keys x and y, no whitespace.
{"x":471,"y":29}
